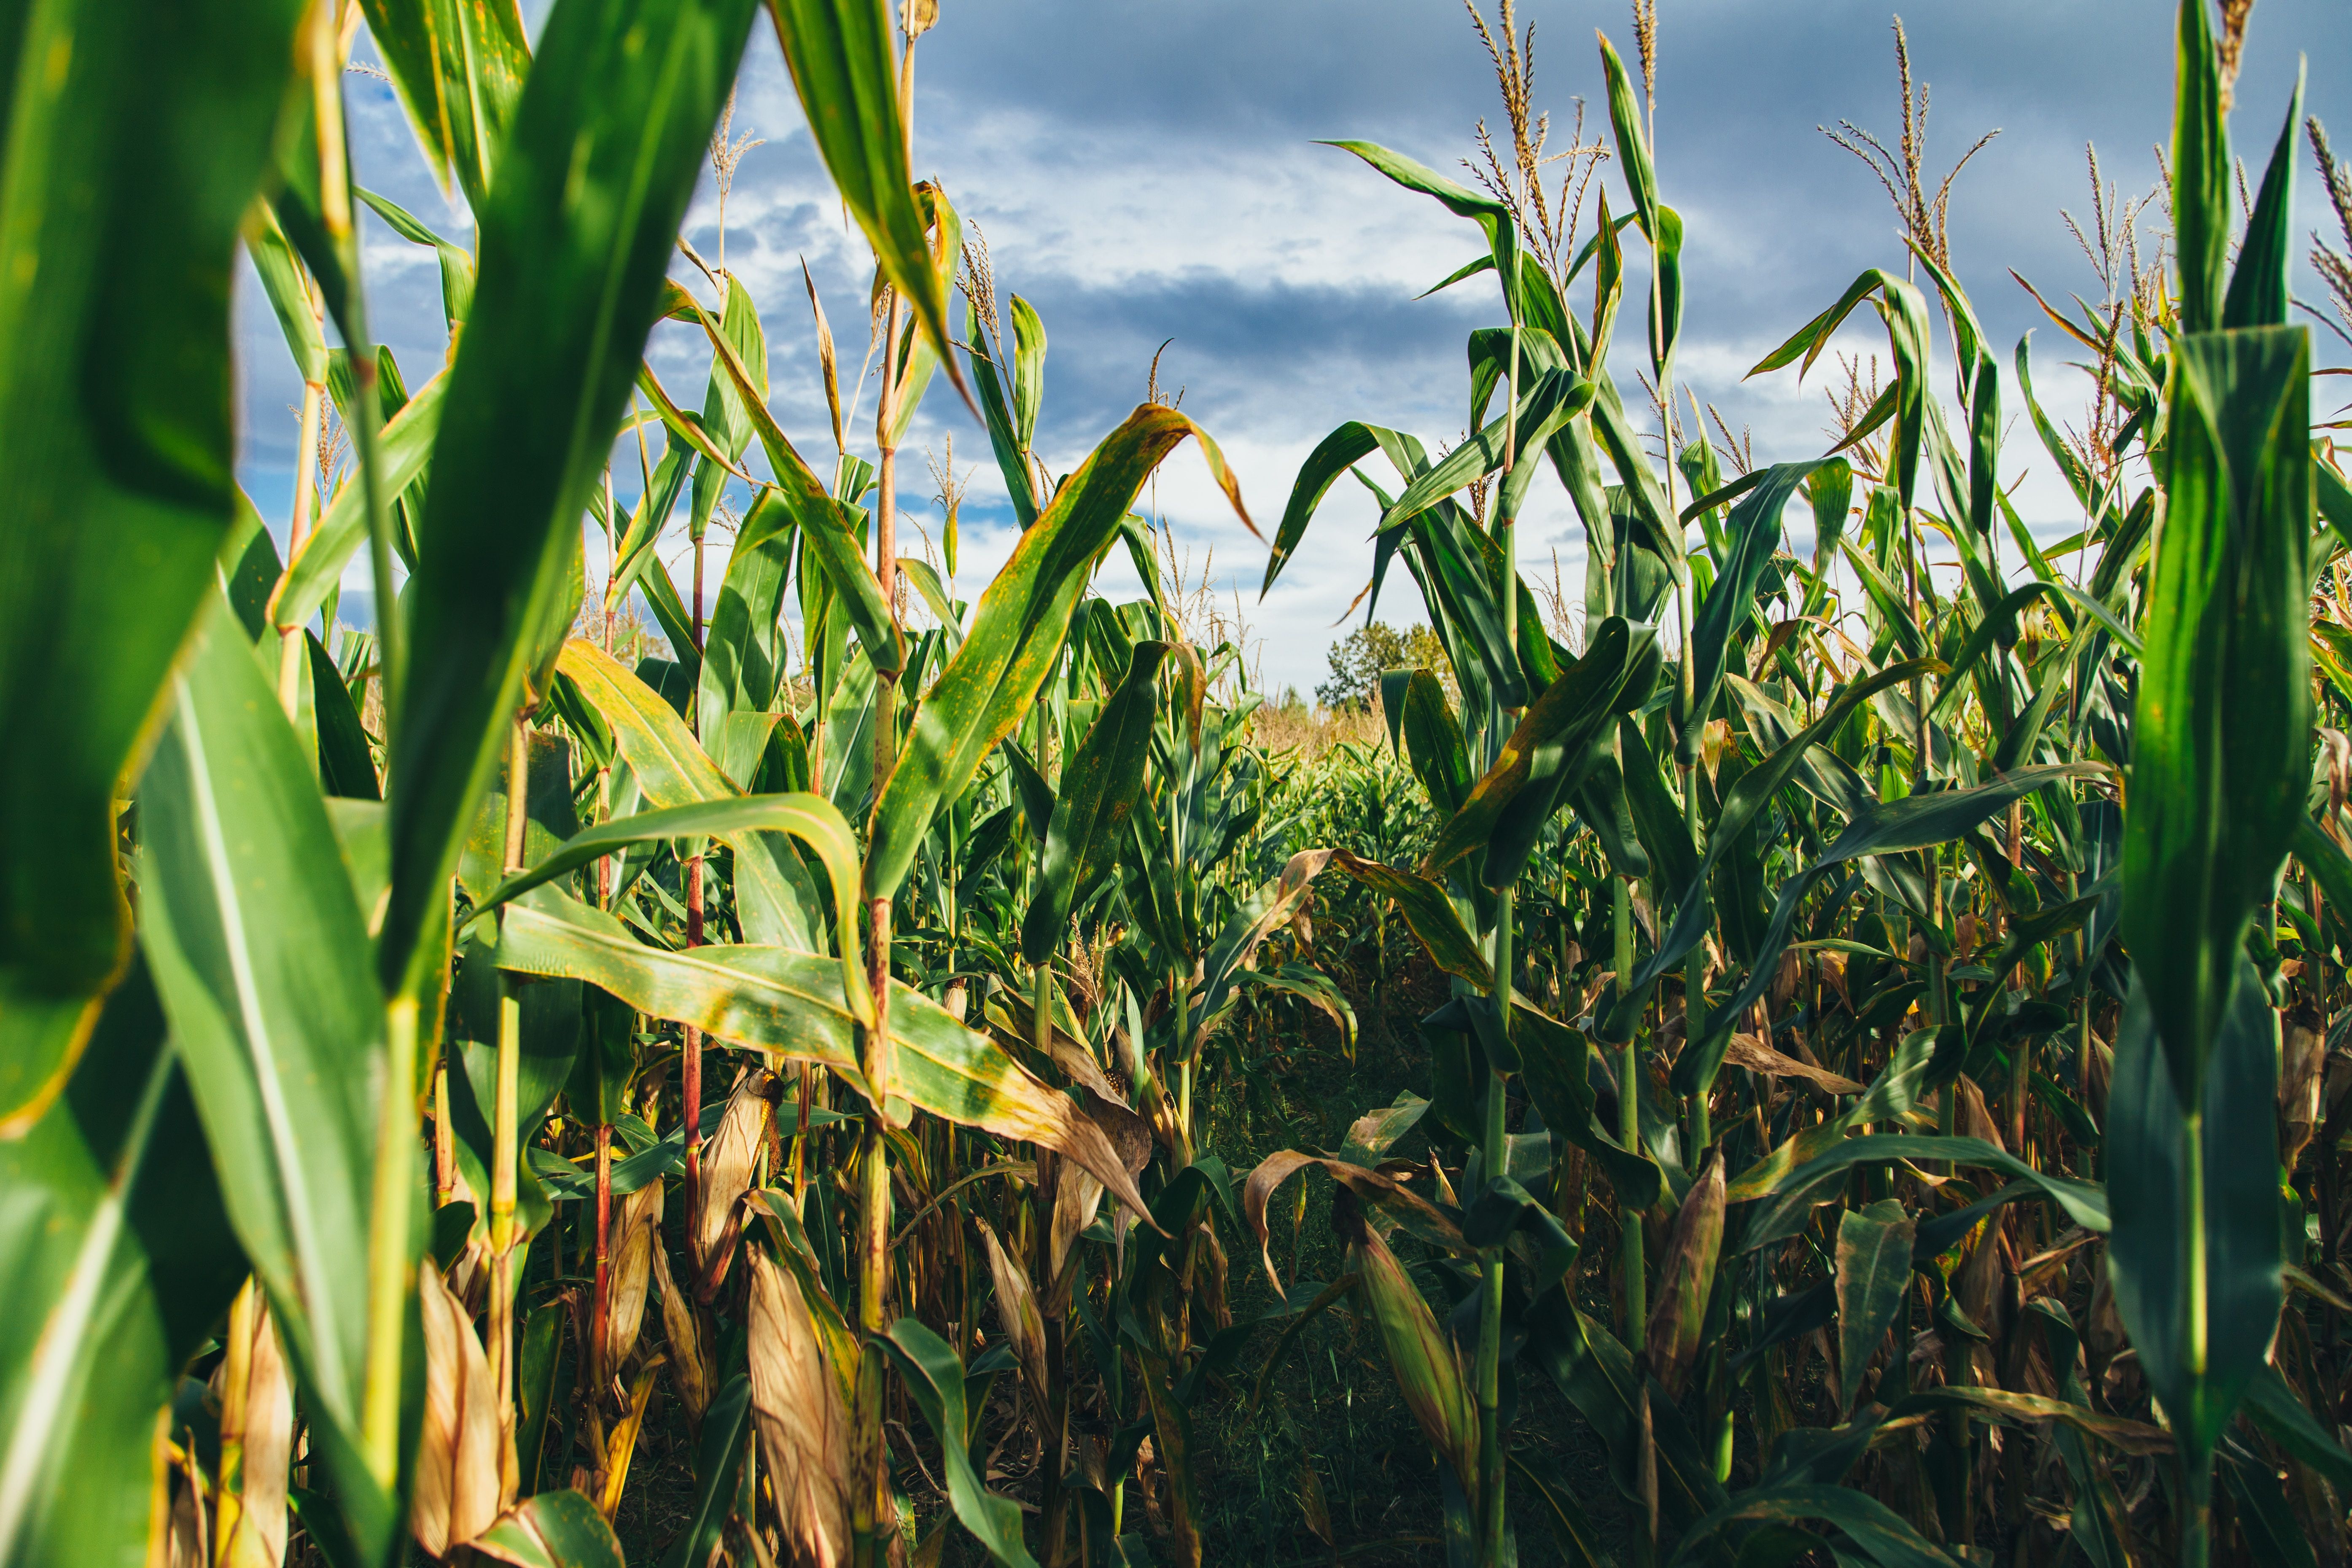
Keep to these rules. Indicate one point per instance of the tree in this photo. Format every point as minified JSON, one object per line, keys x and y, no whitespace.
{"x":1359,"y":659}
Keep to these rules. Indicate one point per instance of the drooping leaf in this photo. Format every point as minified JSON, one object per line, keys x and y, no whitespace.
{"x":810,"y":818}
{"x":1877,"y":1532}
{"x":935,"y":1380}
{"x":791,"y":1005}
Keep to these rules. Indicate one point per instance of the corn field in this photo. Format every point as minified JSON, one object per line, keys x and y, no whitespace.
{"x":1812,"y":1056}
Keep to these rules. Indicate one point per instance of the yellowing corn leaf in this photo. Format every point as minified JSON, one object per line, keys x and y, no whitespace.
{"x":1751,"y":1052}
{"x":1016,"y":1309}
{"x":257,"y":1436}
{"x":689,"y":1367}
{"x":790,"y":1006}
{"x":637,"y":1238}
{"x":804,"y":1424}
{"x":465,"y":1466}
{"x":1376,"y":1189}
{"x":727,"y":1168}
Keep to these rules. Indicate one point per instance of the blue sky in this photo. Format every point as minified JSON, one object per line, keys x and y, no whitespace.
{"x":1147,"y":172}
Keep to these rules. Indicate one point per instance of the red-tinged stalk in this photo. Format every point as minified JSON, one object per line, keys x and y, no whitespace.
{"x":601,"y":1317}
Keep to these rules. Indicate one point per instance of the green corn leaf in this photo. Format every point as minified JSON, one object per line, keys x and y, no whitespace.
{"x":792,"y":1006}
{"x":1892,"y":828}
{"x":743,"y":650}
{"x":346,"y":766}
{"x":845,"y":70}
{"x":2265,"y":1520}
{"x":1662,"y":530}
{"x":1598,"y":793}
{"x":126,"y":175}
{"x":1331,"y":458}
{"x":120,"y":1262}
{"x":2291,"y":1424}
{"x":2070,"y":463}
{"x":1555,"y":398}
{"x":1874,"y":1266}
{"x":1666,"y":304}
{"x":2200,"y":167}
{"x":289,"y":288}
{"x":811,"y":818}
{"x":835,"y":530}
{"x":718,"y":1461}
{"x":1877,"y":1532}
{"x":635,"y":553}
{"x":457,"y":264}
{"x":557,"y":1529}
{"x":775,"y":901}
{"x":2153,"y":1182}
{"x":836,"y":547}
{"x":1658,"y":817}
{"x":1555,"y":1068}
{"x":262,"y":959}
{"x":1558,"y":726}
{"x":1016,"y":634}
{"x":1429,"y":914}
{"x":549,"y":817}
{"x":1744,"y":802}
{"x":1905,"y":314}
{"x":1796,"y":1190}
{"x":1100,"y":785}
{"x":2258,"y":283}
{"x":458,"y":67}
{"x":1755,"y":529}
{"x":1490,"y":215}
{"x":1456,"y":564}
{"x":2220,"y":738}
{"x":575,"y":240}
{"x":1028,"y":371}
{"x":1633,"y":146}
{"x":548,"y":1021}
{"x":927,"y":1364}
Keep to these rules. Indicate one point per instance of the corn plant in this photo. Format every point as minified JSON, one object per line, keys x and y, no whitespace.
{"x":2209,"y":720}
{"x":1882,"y":1100}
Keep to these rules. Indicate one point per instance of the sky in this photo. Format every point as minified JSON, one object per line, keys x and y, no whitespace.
{"x":1152,"y":173}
